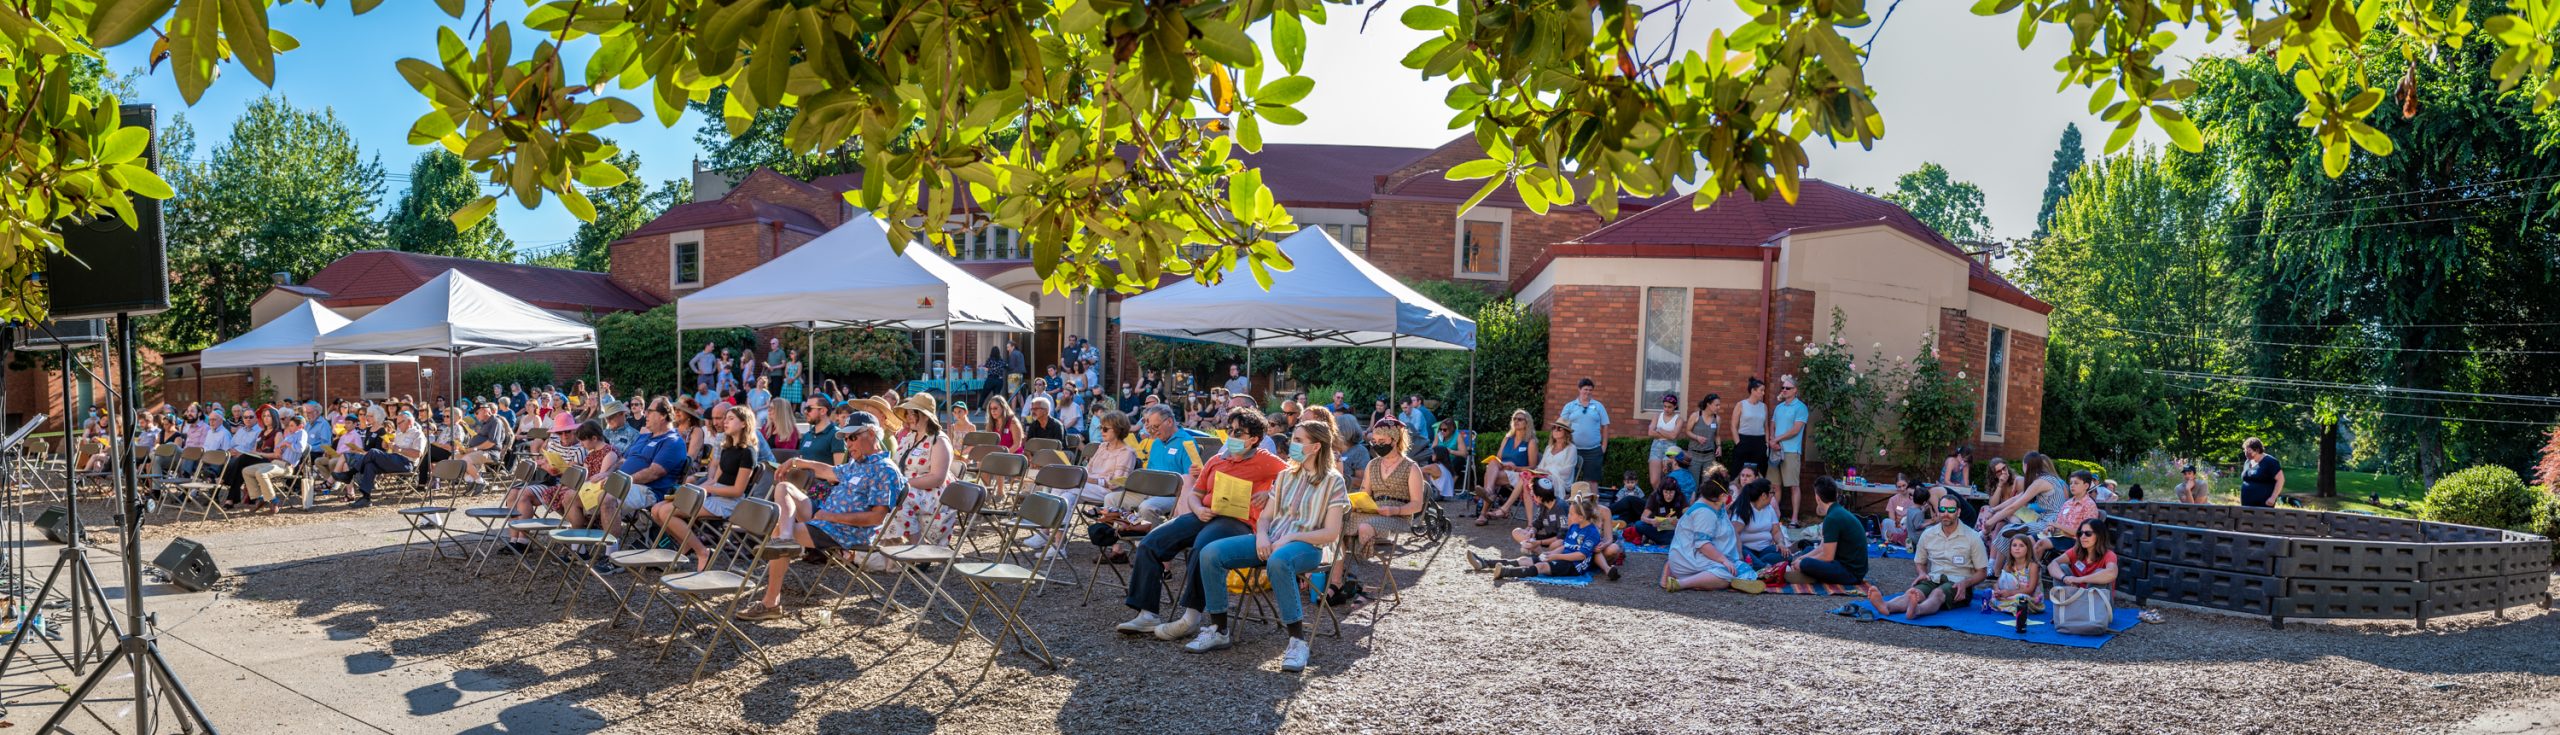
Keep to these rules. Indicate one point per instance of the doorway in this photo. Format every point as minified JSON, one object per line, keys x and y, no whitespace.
{"x":1045,"y":344}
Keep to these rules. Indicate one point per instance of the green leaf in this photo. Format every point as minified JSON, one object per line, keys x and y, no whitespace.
{"x":1286,"y":90}
{"x":1489,"y":185}
{"x":2124,"y":132}
{"x":1428,"y":18}
{"x":1475,"y":169}
{"x":2182,"y":132}
{"x":366,"y":6}
{"x":601,"y":175}
{"x":194,"y":44}
{"x":577,"y":203}
{"x":125,"y":144}
{"x":118,"y":21}
{"x":140,"y":181}
{"x":2369,"y":139}
{"x":2333,"y":158}
{"x":1289,"y":39}
{"x":452,"y":8}
{"x":1281,"y":114}
{"x":1249,"y":133}
{"x":1224,"y":43}
{"x":244,"y":27}
{"x":1240,"y":192}
{"x":430,"y":128}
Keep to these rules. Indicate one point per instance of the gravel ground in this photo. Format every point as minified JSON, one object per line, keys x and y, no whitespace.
{"x":1457,"y":655}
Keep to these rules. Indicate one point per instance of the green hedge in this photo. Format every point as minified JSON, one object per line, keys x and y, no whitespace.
{"x":2546,"y":517}
{"x":2488,"y":495}
{"x":531,"y":374}
{"x":1626,"y":454}
{"x":2065,"y":467}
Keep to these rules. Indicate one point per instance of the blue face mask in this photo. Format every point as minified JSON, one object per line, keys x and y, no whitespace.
{"x":1297,"y":452}
{"x":1237,"y":447}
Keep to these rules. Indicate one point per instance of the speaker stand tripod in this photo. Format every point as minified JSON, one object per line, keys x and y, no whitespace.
{"x":138,"y":647}
{"x":89,"y":626}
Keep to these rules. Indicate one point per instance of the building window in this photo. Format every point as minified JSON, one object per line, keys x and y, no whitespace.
{"x":1995,"y":381}
{"x":1355,"y":237}
{"x":1663,"y":363}
{"x":1481,"y":247}
{"x":376,"y":379}
{"x":684,"y":262}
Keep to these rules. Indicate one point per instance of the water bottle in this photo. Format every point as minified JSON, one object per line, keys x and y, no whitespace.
{"x":2022,"y":616}
{"x":1315,"y":592}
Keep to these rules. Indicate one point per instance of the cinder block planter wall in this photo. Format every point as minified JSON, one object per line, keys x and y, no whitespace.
{"x":2304,"y":564}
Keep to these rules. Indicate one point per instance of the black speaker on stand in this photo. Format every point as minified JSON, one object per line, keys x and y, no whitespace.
{"x":189,"y":566}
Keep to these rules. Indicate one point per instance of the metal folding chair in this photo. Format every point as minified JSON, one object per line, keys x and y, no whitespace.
{"x":963,"y":498}
{"x":710,"y":593}
{"x":1041,"y":510}
{"x":207,"y":486}
{"x":1061,"y":481}
{"x":1143,"y":483}
{"x":651,"y":560}
{"x":1034,"y":446}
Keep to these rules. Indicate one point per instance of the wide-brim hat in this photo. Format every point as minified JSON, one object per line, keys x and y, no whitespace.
{"x":879,"y":408}
{"x":922,"y":403}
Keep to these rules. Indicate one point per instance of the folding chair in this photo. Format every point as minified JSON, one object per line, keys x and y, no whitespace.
{"x":1034,"y":446}
{"x":547,"y":547}
{"x":163,"y":460}
{"x":1039,"y":510}
{"x":1142,"y":483}
{"x":206,"y":485}
{"x":1258,"y":605}
{"x":649,"y":559}
{"x":978,"y":439}
{"x":963,"y":498}
{"x":712,"y":592}
{"x":169,"y":474}
{"x":1061,"y":481}
{"x":1002,"y":475}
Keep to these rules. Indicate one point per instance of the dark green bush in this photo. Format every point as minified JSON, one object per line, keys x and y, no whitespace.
{"x":2065,"y":467}
{"x":530,"y":374}
{"x":2491,"y":496}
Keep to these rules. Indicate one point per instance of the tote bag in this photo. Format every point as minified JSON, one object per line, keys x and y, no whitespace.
{"x":2082,"y":610}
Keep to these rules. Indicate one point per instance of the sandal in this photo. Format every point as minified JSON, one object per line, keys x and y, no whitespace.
{"x":1844,"y":610}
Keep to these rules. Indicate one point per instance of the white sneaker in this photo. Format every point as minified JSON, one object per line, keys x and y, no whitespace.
{"x":1055,"y":552}
{"x":1294,"y":660}
{"x":1035,"y":541}
{"x":1178,"y":628}
{"x":1143,"y":623}
{"x":1210,"y":639}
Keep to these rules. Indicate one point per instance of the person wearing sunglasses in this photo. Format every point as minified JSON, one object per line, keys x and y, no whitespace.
{"x":2080,"y":508}
{"x":1950,"y":561}
{"x":2091,"y":562}
{"x":1787,"y":422}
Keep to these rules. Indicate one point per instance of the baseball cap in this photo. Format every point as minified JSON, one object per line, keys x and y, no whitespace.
{"x":854,"y":421}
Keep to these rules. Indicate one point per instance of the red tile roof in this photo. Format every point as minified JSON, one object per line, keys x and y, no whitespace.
{"x":716,"y":213}
{"x":372,"y":277}
{"x":1737,"y":220}
{"x":1331,"y":176}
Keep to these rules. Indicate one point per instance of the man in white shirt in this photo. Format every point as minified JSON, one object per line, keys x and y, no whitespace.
{"x":1950,"y":561}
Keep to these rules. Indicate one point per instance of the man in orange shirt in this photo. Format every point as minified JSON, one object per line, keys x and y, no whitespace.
{"x":1222,"y":503}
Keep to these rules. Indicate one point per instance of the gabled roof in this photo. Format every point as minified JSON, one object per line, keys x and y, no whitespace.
{"x":1739,"y":221}
{"x":1327,"y":176}
{"x":371,"y":277}
{"x":720,"y":212}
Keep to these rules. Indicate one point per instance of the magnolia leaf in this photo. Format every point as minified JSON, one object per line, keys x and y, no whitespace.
{"x":1289,"y":40}
{"x":125,"y":144}
{"x":1286,"y":90}
{"x":471,"y":214}
{"x":140,"y":181}
{"x":118,"y":21}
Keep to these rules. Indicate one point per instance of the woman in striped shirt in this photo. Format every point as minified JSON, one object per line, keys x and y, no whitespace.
{"x":1301,"y":516}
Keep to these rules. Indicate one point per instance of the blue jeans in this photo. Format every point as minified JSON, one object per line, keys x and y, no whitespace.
{"x":1185,"y":531}
{"x":1284,"y":566}
{"x":1763,"y":556}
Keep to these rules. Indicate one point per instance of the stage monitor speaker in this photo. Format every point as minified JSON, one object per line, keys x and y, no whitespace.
{"x":111,"y":268}
{"x":188,"y":565}
{"x":60,"y":333}
{"x":55,"y":523}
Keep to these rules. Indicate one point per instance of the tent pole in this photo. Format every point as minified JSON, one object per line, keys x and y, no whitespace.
{"x":1392,"y":395}
{"x":809,"y":372}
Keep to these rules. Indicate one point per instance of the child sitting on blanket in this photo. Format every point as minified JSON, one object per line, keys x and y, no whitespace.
{"x":1897,"y":524}
{"x":2016,"y":585}
{"x":1573,"y":552}
{"x":1661,"y":515}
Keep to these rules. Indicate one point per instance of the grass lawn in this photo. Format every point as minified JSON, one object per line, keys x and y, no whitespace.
{"x":2353,"y":490}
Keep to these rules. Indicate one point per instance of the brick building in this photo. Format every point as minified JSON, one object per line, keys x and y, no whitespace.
{"x":1731,"y":287}
{"x":1699,"y":301}
{"x":364,"y":280}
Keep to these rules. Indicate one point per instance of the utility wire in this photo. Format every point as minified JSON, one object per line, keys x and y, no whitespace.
{"x":2554,"y":400}
{"x":2356,"y":393}
{"x":2357,"y":325}
{"x":2361,"y":348}
{"x":2364,"y":411}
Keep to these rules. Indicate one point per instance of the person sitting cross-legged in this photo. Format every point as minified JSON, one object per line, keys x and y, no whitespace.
{"x":1841,"y":556}
{"x":1950,"y":561}
{"x":1569,"y":554}
{"x":1706,"y":546}
{"x":1301,"y":515}
{"x":849,"y":514}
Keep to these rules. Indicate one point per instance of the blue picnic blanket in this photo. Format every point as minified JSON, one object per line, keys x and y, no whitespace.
{"x":1644,"y":549}
{"x":2001,"y":625}
{"x":1581,"y":581}
{"x":1887,"y":551}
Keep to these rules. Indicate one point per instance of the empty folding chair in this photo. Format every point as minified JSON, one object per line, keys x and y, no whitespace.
{"x":1144,"y":484}
{"x":1062,"y":481}
{"x":1034,"y":446}
{"x":1040,"y":510}
{"x":650,"y":560}
{"x":206,"y":488}
{"x":712,"y":593}
{"x":963,"y":498}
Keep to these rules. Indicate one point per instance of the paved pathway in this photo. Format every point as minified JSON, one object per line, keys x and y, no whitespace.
{"x":292,"y":676}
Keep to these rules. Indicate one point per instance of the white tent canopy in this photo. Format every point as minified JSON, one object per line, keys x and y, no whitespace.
{"x":1331,"y":297}
{"x":850,"y":277}
{"x":456,"y":315}
{"x":287,"y":340}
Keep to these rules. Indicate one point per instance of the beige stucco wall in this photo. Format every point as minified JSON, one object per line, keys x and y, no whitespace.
{"x":1688,"y":273}
{"x":1890,"y":286}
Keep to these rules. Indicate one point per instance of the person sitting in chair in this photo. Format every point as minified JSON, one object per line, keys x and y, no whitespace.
{"x":848,"y":515}
{"x":728,"y":484}
{"x":1301,"y":515}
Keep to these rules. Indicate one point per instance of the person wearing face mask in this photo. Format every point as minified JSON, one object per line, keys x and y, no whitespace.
{"x":1393,"y":492}
{"x":1241,"y":475}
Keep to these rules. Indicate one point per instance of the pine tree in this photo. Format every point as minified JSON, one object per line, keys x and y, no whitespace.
{"x":2057,"y":180}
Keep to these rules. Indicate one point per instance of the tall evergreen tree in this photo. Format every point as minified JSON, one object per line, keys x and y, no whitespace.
{"x":289,"y":193}
{"x":439,"y":184}
{"x":2067,"y":158}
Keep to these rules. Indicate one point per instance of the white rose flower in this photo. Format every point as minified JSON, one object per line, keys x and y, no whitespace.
{"x":1812,"y":351}
{"x":1959,"y":375}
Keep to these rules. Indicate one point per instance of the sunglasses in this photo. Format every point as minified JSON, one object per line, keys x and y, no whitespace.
{"x":1949,"y":510}
{"x":2088,"y":534}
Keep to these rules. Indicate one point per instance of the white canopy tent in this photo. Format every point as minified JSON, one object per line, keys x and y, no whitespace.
{"x":455,"y":315}
{"x":851,"y":278}
{"x":288,"y":340}
{"x":1329,"y":297}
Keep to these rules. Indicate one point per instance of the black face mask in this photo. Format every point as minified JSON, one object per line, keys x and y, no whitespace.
{"x":1381,"y":448}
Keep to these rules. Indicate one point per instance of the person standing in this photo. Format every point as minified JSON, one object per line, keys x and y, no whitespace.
{"x":1705,"y":432}
{"x":704,"y":362}
{"x":1590,"y":422}
{"x":2261,"y":476}
{"x":1751,"y":427}
{"x":1238,"y":384}
{"x":1787,"y":423}
{"x":1019,"y":368}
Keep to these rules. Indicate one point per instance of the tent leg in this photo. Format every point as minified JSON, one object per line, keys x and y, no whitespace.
{"x":1392,"y":395}
{"x":809,"y":371}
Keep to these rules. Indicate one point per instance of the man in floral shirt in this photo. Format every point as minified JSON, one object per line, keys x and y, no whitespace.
{"x":849,"y":514}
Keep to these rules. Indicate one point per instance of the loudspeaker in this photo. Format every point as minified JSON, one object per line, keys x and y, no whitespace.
{"x":189,"y":567}
{"x":109,"y":268}
{"x":55,"y":523}
{"x":60,"y":333}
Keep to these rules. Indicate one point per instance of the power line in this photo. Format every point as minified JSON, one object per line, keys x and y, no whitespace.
{"x":2339,"y":228}
{"x":2362,"y":348}
{"x":2328,"y":384}
{"x":2366,"y":411}
{"x":2358,"y":392}
{"x":2358,"y":325}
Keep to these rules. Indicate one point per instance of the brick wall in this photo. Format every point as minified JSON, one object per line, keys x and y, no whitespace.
{"x":640,"y":264}
{"x":40,"y":391}
{"x":767,"y":186}
{"x":1589,"y":335}
{"x":347,"y":381}
{"x":1963,"y":344}
{"x":1418,"y":240}
{"x":1724,"y":349}
{"x":2025,"y":409}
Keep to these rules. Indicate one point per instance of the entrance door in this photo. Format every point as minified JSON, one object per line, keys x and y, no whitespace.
{"x":1044,"y":344}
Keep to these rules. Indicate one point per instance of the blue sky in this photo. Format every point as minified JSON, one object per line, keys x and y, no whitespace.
{"x":1954,"y":88}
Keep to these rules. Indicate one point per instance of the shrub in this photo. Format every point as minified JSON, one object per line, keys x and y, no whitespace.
{"x":2490,"y":496}
{"x":2546,"y":517}
{"x":2067,"y":466}
{"x":641,"y":351}
{"x":532,"y":374}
